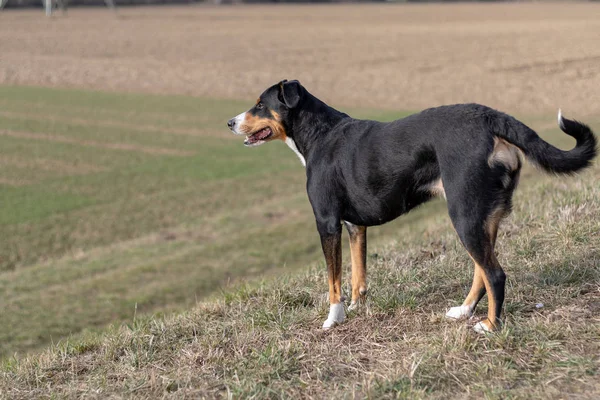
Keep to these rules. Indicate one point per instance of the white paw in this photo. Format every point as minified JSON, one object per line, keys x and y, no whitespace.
{"x":353,"y":306}
{"x":337,"y":315}
{"x":480,"y":327}
{"x":459,"y":312}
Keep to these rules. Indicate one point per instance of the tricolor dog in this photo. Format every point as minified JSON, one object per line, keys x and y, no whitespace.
{"x":365,"y":173}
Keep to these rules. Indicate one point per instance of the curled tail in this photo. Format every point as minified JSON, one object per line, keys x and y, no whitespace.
{"x":543,"y":153}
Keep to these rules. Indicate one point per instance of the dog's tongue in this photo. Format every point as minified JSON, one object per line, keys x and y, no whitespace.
{"x":258,"y":136}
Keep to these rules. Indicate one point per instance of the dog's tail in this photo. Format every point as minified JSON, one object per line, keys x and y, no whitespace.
{"x":543,"y":153}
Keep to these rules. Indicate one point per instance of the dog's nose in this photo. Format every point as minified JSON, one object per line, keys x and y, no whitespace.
{"x":231,"y":123}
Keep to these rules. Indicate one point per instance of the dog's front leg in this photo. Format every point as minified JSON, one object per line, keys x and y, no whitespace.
{"x":331,"y":235}
{"x":358,"y":255}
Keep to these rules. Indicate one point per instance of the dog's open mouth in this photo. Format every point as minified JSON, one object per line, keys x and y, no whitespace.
{"x":258,"y":138}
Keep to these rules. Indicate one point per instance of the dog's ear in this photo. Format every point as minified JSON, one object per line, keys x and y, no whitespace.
{"x":290,"y":93}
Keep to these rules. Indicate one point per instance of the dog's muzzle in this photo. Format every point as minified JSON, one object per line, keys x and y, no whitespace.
{"x":235,"y":123}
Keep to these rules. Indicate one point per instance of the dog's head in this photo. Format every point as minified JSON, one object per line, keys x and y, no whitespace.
{"x":270,"y":118}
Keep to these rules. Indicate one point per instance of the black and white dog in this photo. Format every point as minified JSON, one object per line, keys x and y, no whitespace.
{"x":365,"y":173}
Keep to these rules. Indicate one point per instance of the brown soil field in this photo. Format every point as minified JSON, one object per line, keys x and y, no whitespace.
{"x":526,"y":58}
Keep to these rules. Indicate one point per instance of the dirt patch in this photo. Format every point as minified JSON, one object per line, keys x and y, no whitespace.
{"x":529,"y":58}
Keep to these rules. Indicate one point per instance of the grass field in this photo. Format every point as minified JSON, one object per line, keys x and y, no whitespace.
{"x":121,"y":205}
{"x":264,"y":340}
{"x":122,"y":197}
{"x":111,"y":201}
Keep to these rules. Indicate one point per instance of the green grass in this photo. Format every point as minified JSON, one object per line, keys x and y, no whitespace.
{"x":263,"y":340}
{"x":97,"y":234}
{"x":117,"y":202}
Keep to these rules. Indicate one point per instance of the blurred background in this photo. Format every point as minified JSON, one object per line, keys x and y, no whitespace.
{"x":122,"y":192}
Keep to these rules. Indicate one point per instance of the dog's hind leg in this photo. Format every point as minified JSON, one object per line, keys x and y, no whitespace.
{"x":358,"y":254}
{"x":493,"y":275}
{"x":477,"y":202}
{"x":476,"y":215}
{"x":477,"y":291}
{"x":475,"y":294}
{"x":477,"y":236}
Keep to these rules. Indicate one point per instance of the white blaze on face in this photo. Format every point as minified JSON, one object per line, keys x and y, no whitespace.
{"x":239,"y":120}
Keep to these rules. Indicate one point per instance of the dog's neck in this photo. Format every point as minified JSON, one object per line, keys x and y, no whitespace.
{"x":312,"y":122}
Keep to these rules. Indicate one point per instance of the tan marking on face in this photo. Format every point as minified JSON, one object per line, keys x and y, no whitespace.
{"x":505,"y":153}
{"x":358,"y":250}
{"x":275,"y":115}
{"x":253,"y":124}
{"x":278,"y":126}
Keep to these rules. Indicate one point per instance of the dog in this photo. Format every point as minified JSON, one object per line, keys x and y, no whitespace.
{"x":363,"y":173}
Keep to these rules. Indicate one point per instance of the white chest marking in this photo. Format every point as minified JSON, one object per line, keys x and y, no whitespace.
{"x":292,"y":145}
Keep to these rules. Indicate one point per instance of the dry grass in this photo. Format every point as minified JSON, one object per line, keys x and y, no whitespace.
{"x":109,"y":205}
{"x":531,"y":58}
{"x":264,"y":341}
{"x":141,"y":227}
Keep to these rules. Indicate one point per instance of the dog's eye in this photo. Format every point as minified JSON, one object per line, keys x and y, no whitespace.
{"x":260,"y":106}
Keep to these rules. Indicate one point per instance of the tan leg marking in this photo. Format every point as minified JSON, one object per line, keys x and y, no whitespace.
{"x":493,"y":222}
{"x":491,"y":322}
{"x":481,"y":285}
{"x":475,"y":294}
{"x":333,"y":256}
{"x":477,"y":288}
{"x":358,"y":255}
